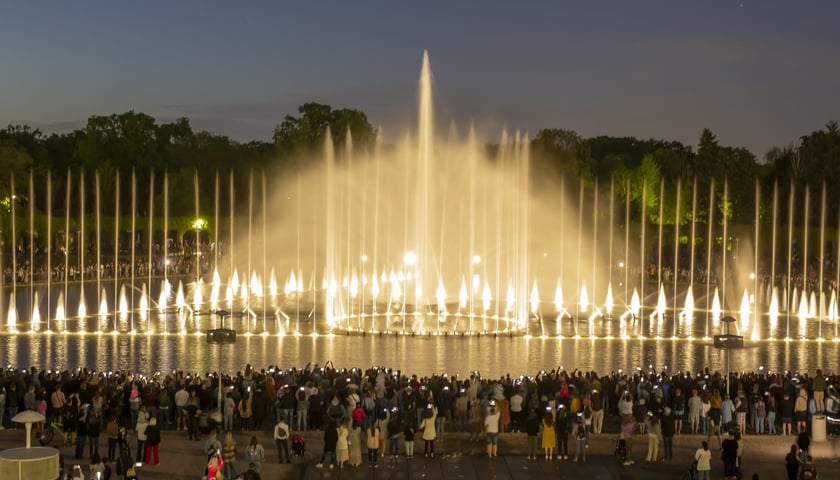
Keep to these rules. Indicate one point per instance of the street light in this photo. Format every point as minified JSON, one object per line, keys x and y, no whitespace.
{"x":728,"y":341}
{"x":221,"y":336}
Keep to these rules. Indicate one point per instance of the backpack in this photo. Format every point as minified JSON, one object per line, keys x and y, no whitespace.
{"x":334,"y":412}
{"x":368,"y":404}
{"x":809,"y":472}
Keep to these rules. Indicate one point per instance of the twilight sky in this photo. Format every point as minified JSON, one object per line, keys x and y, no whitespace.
{"x":758,"y":73}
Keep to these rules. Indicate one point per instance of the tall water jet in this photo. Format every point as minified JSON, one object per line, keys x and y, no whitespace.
{"x":803,"y":313}
{"x":35,"y":321}
{"x":688,"y":310}
{"x":60,"y":315}
{"x":773,"y":313}
{"x":584,"y":299}
{"x":82,"y":308}
{"x":661,"y":308}
{"x":144,"y":306}
{"x":716,"y":312}
{"x":745,"y":311}
{"x":11,"y":316}
{"x":103,"y":312}
{"x":123,"y":305}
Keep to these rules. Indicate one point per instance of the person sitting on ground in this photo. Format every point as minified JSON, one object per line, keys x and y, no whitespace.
{"x":251,"y":473}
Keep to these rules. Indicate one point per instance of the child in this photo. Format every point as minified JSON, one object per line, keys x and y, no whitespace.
{"x":549,"y":440}
{"x":409,"y":439}
{"x":373,"y":445}
{"x":580,"y":442}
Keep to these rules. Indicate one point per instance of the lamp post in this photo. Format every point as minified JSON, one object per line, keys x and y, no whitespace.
{"x":728,"y":341}
{"x":221,"y":336}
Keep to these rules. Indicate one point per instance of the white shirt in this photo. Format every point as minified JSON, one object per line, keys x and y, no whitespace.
{"x":181,"y":398}
{"x":704,"y":459}
{"x":491,"y":422}
{"x":278,"y":428}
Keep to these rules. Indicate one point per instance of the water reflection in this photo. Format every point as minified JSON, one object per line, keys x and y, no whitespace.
{"x":421,"y":354}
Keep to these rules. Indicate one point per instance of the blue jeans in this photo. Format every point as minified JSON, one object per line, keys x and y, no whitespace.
{"x":303,"y":420}
{"x":440,"y":421}
{"x":394,"y":444}
{"x":702,"y":475}
{"x":758,"y":424}
{"x":286,"y":414}
{"x":669,"y":447}
{"x":771,"y":422}
{"x":164,"y":415}
{"x":229,"y":470}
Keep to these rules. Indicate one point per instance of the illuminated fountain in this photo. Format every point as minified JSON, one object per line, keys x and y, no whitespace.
{"x":427,"y":235}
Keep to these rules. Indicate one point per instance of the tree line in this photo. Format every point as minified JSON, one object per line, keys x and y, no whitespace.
{"x":121,"y":145}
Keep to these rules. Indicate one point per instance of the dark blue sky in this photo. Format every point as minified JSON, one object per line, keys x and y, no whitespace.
{"x":757,"y":73}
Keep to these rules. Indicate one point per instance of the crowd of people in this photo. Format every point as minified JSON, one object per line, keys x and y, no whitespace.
{"x":386,"y":411}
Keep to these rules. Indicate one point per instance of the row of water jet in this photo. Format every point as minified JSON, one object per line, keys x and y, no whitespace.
{"x":429,"y":234}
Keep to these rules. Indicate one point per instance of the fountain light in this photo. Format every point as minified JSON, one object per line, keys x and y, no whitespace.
{"x":584,"y":299}
{"x":410,"y":258}
{"x":476,"y":259}
{"x":558,"y":296}
{"x":123,"y":305}
{"x":608,"y":301}
{"x":197,"y":297}
{"x":535,"y":298}
{"x":60,"y":315}
{"x":36,"y":315}
{"x":804,"y":313}
{"x":374,"y":290}
{"x":272,"y":284}
{"x":716,"y":309}
{"x":486,"y":298}
{"x":745,"y":311}
{"x":635,"y":304}
{"x":354,"y":285}
{"x":396,"y":290}
{"x":441,"y":298}
{"x":256,"y":285}
{"x":688,"y":309}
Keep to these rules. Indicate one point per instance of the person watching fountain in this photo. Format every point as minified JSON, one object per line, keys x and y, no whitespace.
{"x":491,"y":426}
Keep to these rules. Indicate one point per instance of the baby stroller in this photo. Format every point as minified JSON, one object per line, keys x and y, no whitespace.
{"x":620,"y":451}
{"x":298,"y":446}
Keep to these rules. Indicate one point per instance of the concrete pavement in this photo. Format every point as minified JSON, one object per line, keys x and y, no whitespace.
{"x":457,"y":458}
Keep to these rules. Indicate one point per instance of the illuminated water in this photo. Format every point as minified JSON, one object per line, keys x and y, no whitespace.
{"x":423,"y":355}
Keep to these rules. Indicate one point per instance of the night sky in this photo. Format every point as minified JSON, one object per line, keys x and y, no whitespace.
{"x":758,"y":74}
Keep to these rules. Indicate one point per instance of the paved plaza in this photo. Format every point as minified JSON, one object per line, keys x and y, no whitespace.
{"x":459,"y":459}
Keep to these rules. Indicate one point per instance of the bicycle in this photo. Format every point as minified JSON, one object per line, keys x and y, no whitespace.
{"x":49,"y":433}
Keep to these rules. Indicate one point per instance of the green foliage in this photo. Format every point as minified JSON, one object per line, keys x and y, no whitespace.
{"x":299,"y":137}
{"x":643,"y":183}
{"x":563,"y":150}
